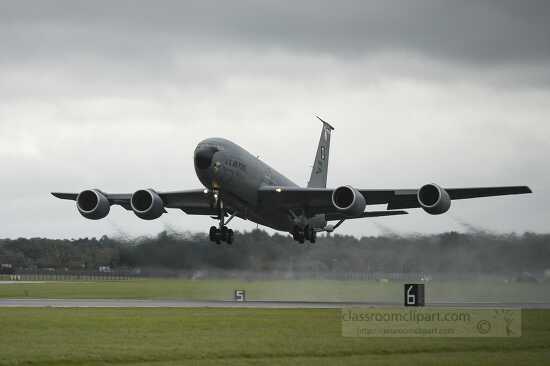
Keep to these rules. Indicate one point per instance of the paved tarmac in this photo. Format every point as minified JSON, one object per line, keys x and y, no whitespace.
{"x":131,"y":303}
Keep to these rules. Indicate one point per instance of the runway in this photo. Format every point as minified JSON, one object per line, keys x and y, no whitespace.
{"x":131,"y":303}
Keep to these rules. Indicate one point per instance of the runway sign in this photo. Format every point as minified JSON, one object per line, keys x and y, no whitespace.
{"x":239,"y":295}
{"x":414,"y":294}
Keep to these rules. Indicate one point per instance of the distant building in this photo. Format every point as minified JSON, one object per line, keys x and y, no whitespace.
{"x":104,"y":269}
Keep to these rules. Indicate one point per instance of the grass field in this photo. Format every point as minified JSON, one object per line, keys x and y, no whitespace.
{"x":323,"y":290}
{"x":240,"y":336}
{"x":163,"y":336}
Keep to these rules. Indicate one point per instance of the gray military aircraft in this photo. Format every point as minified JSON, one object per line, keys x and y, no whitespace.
{"x":239,"y":184}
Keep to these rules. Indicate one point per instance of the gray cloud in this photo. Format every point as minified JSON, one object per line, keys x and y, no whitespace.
{"x":100,"y":44}
{"x":477,"y":32}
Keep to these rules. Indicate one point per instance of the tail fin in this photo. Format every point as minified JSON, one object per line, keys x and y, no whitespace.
{"x":319,"y":172}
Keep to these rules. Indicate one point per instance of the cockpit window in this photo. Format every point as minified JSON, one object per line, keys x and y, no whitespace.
{"x":204,"y":155}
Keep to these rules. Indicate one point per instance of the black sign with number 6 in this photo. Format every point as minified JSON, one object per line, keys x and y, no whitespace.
{"x":414,"y":294}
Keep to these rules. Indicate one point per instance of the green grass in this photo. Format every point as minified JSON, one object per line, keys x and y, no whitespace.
{"x":50,"y":336}
{"x":323,"y":290}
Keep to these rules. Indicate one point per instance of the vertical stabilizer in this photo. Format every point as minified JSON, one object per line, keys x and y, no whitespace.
{"x":319,"y":172}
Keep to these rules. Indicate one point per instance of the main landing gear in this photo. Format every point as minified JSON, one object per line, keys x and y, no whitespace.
{"x":218,"y":235}
{"x":308,"y":233}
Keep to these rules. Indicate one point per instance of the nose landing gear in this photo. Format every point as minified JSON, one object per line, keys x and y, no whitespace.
{"x":221,"y":233}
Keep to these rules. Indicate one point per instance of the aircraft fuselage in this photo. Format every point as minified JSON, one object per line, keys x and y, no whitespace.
{"x":236,"y":174}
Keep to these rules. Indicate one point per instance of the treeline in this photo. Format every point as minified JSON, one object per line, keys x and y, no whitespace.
{"x":258,"y":251}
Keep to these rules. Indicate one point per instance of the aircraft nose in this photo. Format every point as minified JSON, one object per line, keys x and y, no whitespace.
{"x":203,"y":156}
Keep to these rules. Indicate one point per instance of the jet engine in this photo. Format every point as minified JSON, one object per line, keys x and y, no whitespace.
{"x":348,"y":200}
{"x":147,"y":204}
{"x":434,"y":199}
{"x":92,"y":204}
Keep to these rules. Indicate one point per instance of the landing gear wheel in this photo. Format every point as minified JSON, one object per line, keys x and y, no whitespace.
{"x":309,"y":234}
{"x":219,"y":236}
{"x":298,"y":235}
{"x":223,"y":233}
{"x":213,"y":233}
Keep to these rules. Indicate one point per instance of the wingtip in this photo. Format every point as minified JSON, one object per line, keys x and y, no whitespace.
{"x":523,"y":189}
{"x":65,"y":196}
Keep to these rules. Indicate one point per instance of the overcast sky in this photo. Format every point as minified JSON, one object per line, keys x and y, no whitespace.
{"x":116,"y":95}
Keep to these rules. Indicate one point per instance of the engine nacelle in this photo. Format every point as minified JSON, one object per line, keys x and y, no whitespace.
{"x":348,"y":200}
{"x":434,"y":199}
{"x":147,"y":204}
{"x":92,"y":204}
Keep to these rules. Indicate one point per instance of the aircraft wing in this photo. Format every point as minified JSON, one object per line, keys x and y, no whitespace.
{"x":408,"y":198}
{"x":319,"y":200}
{"x":193,"y":202}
